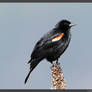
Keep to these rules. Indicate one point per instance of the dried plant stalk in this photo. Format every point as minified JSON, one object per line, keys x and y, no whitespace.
{"x":58,"y":78}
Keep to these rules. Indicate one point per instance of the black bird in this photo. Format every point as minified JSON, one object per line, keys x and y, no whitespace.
{"x":52,"y":45}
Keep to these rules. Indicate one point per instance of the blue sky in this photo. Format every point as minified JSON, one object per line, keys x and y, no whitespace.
{"x":22,"y":25}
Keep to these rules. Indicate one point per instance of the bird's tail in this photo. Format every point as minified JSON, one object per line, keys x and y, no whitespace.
{"x":33,"y":64}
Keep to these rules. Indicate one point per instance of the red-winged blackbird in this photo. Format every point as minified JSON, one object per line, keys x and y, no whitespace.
{"x":52,"y":45}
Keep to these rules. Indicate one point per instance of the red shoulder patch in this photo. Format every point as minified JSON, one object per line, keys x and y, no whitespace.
{"x":58,"y":37}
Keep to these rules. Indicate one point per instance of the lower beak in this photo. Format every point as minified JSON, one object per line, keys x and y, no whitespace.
{"x":72,"y":25}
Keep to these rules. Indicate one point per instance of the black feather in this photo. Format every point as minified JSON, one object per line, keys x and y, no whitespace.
{"x":33,"y":64}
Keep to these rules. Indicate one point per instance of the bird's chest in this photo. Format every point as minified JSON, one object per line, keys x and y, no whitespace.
{"x":59,"y":47}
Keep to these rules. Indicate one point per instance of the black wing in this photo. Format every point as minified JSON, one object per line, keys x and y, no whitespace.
{"x":44,"y":43}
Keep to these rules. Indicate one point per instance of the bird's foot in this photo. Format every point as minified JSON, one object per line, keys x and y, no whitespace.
{"x":52,"y":64}
{"x":58,"y":63}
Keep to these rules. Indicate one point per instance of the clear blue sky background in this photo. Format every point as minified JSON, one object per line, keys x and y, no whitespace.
{"x":22,"y":24}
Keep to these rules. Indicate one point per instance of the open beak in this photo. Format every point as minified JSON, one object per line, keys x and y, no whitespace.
{"x":72,"y":25}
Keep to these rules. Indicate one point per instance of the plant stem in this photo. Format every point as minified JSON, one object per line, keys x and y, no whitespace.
{"x":58,"y":78}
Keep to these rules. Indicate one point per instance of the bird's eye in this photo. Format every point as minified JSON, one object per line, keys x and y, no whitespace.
{"x":66,"y":24}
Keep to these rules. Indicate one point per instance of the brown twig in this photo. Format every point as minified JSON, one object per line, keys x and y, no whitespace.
{"x":58,"y":78}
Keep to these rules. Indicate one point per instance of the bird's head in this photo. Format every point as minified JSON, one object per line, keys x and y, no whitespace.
{"x":64,"y":24}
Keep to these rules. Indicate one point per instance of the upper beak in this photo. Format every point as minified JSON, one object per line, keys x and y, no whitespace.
{"x":72,"y":25}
